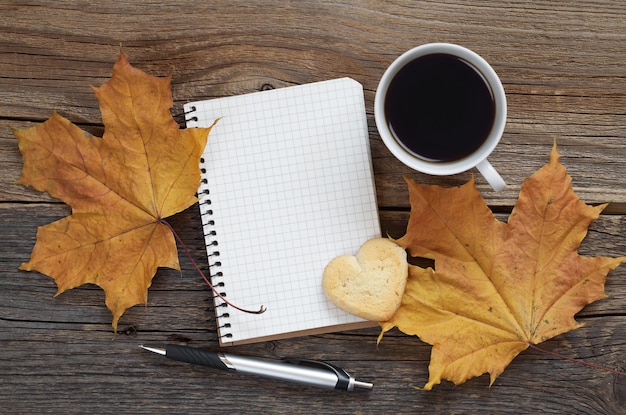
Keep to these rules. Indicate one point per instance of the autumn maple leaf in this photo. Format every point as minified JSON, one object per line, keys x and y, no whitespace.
{"x":498,"y":287}
{"x":120,"y":188}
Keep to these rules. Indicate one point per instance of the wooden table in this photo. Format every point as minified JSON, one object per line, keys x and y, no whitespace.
{"x":563,"y":65}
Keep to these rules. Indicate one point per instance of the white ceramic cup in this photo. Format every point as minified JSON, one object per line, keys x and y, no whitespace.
{"x":478,"y":158}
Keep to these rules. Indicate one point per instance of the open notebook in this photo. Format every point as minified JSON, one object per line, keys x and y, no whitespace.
{"x":287,"y":185}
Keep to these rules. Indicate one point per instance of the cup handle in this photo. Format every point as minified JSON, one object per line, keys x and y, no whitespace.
{"x":491,"y":175}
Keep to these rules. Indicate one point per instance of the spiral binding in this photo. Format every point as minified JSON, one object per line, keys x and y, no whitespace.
{"x":210,"y":238}
{"x":190,"y":116}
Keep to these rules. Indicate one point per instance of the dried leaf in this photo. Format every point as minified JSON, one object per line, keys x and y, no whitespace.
{"x":120,"y":187}
{"x":497,"y":287}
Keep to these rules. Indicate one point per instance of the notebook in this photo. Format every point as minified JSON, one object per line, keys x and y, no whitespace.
{"x":287,"y":185}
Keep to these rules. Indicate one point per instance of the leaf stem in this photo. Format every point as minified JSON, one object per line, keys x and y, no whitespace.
{"x":208,"y":282}
{"x":580,"y":362}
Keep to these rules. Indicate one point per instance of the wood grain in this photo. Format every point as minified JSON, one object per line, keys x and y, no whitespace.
{"x":562,"y":66}
{"x":55,"y":346}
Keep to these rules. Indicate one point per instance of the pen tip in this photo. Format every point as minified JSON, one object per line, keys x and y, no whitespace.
{"x":156,"y":350}
{"x":363,"y":385}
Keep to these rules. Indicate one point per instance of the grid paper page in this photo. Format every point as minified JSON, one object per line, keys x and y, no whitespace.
{"x":290,"y":186}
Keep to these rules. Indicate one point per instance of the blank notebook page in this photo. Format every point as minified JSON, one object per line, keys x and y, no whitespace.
{"x":287,"y":186}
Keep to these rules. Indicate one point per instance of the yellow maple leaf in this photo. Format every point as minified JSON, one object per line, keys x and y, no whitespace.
{"x":498,"y":287}
{"x":120,"y":188}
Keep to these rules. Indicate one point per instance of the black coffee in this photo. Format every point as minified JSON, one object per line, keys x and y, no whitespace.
{"x":440,"y":107}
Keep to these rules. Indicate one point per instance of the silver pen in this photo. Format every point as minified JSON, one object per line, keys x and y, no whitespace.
{"x":304,"y":372}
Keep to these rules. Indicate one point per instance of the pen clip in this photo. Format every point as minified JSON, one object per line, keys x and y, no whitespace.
{"x":343,"y":377}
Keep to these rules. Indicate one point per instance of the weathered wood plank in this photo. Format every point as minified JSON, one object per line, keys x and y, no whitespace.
{"x":67,"y":373}
{"x":563,"y":80}
{"x":60,"y":353}
{"x":587,"y":166}
{"x":606,"y":237}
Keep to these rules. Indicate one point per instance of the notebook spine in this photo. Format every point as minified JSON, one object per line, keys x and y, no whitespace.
{"x":216,"y":275}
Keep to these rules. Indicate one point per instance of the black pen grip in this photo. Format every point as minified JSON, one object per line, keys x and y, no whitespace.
{"x":194,"y":356}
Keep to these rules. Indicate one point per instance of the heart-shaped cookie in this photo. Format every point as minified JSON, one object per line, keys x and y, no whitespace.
{"x":371,"y":284}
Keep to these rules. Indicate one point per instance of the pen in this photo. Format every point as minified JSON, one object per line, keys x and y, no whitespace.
{"x":302,"y":371}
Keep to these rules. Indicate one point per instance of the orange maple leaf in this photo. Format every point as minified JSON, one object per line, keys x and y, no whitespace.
{"x":120,"y":187}
{"x":498,"y":287}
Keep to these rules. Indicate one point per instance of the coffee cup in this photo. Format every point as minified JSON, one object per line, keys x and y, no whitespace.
{"x":440,"y":109}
